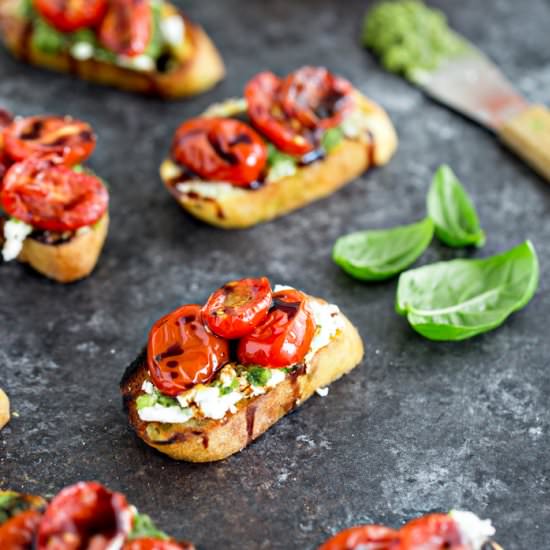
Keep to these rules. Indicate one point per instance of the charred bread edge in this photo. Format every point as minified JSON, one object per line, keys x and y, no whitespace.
{"x":244,"y":208}
{"x":209,"y":440}
{"x":69,"y":261}
{"x":202,"y":70}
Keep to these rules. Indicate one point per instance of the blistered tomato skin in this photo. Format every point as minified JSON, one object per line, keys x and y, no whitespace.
{"x":127,"y":27}
{"x":432,"y":532}
{"x":284,"y":337}
{"x":293,"y":112}
{"x":220,"y":149}
{"x":71,"y":140}
{"x":182,"y":351}
{"x":52,"y":197}
{"x":18,"y":532}
{"x":366,"y":537}
{"x":236,"y":308}
{"x":156,"y":544}
{"x":85,"y":515}
{"x":71,"y":15}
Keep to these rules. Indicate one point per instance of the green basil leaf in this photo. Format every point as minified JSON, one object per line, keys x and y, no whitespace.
{"x":381,"y":253}
{"x":462,"y":298}
{"x":452,"y":211}
{"x":258,"y":376}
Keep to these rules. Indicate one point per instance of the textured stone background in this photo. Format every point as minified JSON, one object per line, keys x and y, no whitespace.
{"x":418,"y":427}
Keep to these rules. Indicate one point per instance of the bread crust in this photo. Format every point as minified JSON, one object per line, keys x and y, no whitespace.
{"x":199,"y":72}
{"x":4,"y":409}
{"x":209,"y":440}
{"x":244,"y":208}
{"x":70,"y":261}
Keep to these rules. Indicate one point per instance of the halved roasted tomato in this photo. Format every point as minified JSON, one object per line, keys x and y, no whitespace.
{"x":85,"y":515}
{"x":182,"y":352}
{"x":238,"y":307}
{"x":71,"y":15}
{"x":220,"y":149}
{"x":52,"y":197}
{"x":18,"y":532}
{"x":432,"y":532}
{"x":293,"y":112}
{"x":284,"y":337}
{"x":364,"y":537}
{"x":156,"y":544}
{"x":68,"y":138}
{"x":127,"y":27}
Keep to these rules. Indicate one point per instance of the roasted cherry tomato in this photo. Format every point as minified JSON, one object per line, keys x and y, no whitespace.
{"x":127,"y":26}
{"x":182,"y":352}
{"x":85,"y":515}
{"x":238,"y":307}
{"x":364,"y":537}
{"x":292,"y":112}
{"x":156,"y":544}
{"x":284,"y":337}
{"x":52,"y":197}
{"x":70,"y":139}
{"x":432,"y":532}
{"x":18,"y":532}
{"x":220,"y":149}
{"x":71,"y":15}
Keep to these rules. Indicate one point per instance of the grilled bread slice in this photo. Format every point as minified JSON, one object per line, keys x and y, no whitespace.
{"x":237,"y":207}
{"x":199,"y":65}
{"x":68,"y":261}
{"x":207,"y":440}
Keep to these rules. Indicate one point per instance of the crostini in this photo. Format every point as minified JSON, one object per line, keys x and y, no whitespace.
{"x":86,"y":515}
{"x":214,"y":378}
{"x":53,"y":211}
{"x":146,"y":46}
{"x":288,"y":142}
{"x":4,"y":408}
{"x":457,"y":530}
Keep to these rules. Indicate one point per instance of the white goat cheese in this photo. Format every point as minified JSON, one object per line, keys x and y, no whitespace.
{"x":15,"y":233}
{"x":475,"y":532}
{"x":172,"y":29}
{"x":159,"y":413}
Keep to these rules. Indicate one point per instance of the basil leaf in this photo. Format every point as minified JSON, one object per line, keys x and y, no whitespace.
{"x":144,"y":527}
{"x":378,"y":254}
{"x":452,"y":211}
{"x":462,"y":298}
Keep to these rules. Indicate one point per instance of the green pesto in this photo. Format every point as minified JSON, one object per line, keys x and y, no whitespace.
{"x":258,"y":376}
{"x":225,"y":390}
{"x":410,"y":37}
{"x":331,"y":139}
{"x":47,"y":39}
{"x":144,"y":527}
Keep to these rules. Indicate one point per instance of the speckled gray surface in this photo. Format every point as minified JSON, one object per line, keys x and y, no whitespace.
{"x":418,"y":427}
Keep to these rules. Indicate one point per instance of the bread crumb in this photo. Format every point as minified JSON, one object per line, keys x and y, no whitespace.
{"x":322,"y":392}
{"x":4,"y":409}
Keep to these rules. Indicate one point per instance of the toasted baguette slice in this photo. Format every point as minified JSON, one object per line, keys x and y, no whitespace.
{"x":207,"y":440}
{"x":69,"y":261}
{"x":4,"y":409}
{"x":200,"y":66}
{"x":236,"y":207}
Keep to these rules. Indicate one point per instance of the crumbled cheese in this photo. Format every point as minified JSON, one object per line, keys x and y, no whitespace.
{"x":228,"y":108}
{"x":277,"y":376}
{"x":328,"y":321}
{"x":82,"y":230}
{"x":172,"y":29}
{"x":278,"y":288}
{"x":159,"y":413}
{"x":356,"y":124}
{"x":281,"y":169}
{"x":207,"y":189}
{"x":82,"y":51}
{"x":475,"y":532}
{"x":212,"y":404}
{"x":15,"y":233}
{"x":148,"y":387}
{"x":142,"y":62}
{"x":322,"y":392}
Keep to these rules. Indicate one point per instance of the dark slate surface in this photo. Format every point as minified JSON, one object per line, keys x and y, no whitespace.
{"x":418,"y":427}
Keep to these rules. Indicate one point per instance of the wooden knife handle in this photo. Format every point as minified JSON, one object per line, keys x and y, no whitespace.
{"x":528,"y":135}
